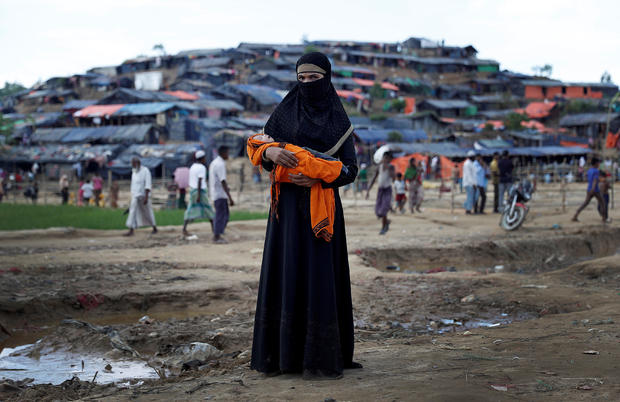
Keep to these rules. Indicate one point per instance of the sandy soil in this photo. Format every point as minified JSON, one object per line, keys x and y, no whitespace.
{"x":426,"y":328}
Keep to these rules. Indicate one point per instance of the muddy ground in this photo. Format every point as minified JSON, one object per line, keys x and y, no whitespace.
{"x":446,"y":307}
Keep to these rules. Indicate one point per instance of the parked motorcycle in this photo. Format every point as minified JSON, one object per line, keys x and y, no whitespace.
{"x":515,"y":210}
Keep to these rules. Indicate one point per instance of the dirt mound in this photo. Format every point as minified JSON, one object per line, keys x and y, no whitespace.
{"x":525,"y":253}
{"x":605,"y":270}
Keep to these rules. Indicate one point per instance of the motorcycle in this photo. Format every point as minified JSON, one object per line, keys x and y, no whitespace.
{"x":515,"y":210}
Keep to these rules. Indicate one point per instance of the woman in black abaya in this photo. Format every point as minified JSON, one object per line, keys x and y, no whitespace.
{"x":304,"y":319}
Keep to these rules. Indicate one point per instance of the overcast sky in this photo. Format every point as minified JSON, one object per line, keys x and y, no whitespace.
{"x":41,"y":39}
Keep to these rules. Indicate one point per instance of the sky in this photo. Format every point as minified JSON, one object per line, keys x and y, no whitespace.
{"x":41,"y":39}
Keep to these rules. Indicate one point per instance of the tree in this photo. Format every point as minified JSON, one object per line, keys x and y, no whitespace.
{"x":399,"y":105}
{"x":543,"y":71}
{"x":10,"y":88}
{"x":310,"y":49}
{"x":513,"y":121}
{"x":160,"y":47}
{"x":394,"y":136}
{"x":376,"y":91}
{"x":576,"y":106}
{"x":547,"y":70}
{"x":6,"y":126}
{"x":606,"y":78}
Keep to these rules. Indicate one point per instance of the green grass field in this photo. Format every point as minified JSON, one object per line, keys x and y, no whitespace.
{"x":22,"y":216}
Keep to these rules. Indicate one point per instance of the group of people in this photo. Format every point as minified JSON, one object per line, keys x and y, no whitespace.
{"x":202,"y":188}
{"x":393,"y":188}
{"x":476,"y":175}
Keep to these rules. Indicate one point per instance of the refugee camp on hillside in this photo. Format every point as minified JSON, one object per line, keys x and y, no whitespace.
{"x":330,"y":202}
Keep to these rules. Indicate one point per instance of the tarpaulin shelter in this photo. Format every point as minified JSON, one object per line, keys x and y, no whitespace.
{"x":130,"y":134}
{"x":375,"y":135}
{"x":447,"y":165}
{"x":98,"y":110}
{"x":127,"y":95}
{"x":235,"y":140}
{"x":54,"y":155}
{"x":155,"y":157}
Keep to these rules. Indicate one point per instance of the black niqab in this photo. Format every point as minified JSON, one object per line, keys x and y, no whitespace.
{"x":311,"y":115}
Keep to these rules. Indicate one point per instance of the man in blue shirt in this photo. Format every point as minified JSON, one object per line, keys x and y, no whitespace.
{"x":593,"y":192}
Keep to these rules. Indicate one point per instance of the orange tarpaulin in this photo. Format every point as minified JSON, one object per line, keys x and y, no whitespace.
{"x":573,"y":144}
{"x":97,"y":110}
{"x":182,"y":95}
{"x":369,"y":83}
{"x":612,"y":140}
{"x":447,"y":166}
{"x":409,"y":105}
{"x":537,"y":110}
{"x":349,"y":94}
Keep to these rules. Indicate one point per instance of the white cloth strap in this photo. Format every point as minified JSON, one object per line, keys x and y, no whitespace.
{"x":332,"y":151}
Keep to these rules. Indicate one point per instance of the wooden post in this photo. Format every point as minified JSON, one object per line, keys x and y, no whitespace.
{"x":41,"y":188}
{"x":453,"y":190}
{"x":563,"y":191}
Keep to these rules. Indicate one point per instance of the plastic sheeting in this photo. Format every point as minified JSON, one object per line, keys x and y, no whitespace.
{"x":171,"y":156}
{"x":373,"y":136}
{"x":130,"y":134}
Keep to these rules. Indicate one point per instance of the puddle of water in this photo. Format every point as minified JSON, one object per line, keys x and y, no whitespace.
{"x":57,"y":366}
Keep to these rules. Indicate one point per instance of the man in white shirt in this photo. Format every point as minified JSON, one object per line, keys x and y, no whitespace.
{"x":198,"y":207}
{"x":218,"y":188}
{"x":140,"y":209}
{"x":469,"y":181}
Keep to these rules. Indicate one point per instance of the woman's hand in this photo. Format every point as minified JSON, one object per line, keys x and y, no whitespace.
{"x":281,"y":156}
{"x":302,"y":180}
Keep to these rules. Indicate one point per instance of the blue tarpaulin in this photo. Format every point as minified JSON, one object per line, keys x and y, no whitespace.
{"x":144,"y":109}
{"x":373,"y":136}
{"x":130,"y":134}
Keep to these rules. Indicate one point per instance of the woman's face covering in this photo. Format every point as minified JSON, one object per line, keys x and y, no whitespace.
{"x":313,"y":86}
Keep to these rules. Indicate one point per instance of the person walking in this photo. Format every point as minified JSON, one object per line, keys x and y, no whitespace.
{"x":63,"y":185}
{"x":199,"y":207}
{"x":304,"y":316}
{"x":383,"y":176}
{"x":218,"y":189}
{"x":495,"y":180}
{"x":97,"y":188}
{"x":593,"y":191}
{"x":505,"y":167}
{"x":469,"y":181}
{"x":140,"y":209}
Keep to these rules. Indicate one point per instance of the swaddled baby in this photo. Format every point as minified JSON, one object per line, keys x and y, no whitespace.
{"x":310,"y":163}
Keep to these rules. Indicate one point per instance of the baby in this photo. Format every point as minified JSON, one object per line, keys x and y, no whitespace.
{"x":309,"y":163}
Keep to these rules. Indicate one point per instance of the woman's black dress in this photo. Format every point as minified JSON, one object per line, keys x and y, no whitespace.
{"x":304,"y":318}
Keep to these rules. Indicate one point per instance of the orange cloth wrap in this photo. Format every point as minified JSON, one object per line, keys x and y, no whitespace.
{"x":322,"y":201}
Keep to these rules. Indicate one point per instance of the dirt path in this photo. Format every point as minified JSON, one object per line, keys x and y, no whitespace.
{"x":477,"y":333}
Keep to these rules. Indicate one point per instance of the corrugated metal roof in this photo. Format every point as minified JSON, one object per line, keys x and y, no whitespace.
{"x":209,"y":62}
{"x":78,"y":104}
{"x":583,"y":119}
{"x":223,"y":104}
{"x":144,"y":109}
{"x":486,"y":98}
{"x":448,"y":104}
